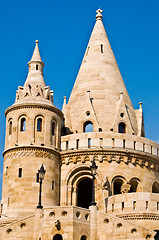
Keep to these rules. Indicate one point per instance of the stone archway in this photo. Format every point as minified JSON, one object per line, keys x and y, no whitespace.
{"x":84,"y":192}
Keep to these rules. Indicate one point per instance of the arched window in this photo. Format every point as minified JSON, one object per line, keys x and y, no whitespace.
{"x":134,"y":185}
{"x":122,"y":127}
{"x":88,"y":126}
{"x":84,"y":193}
{"x":57,"y":237}
{"x":39,"y":125}
{"x":53,"y":128}
{"x":155,"y":187}
{"x":117,"y":186}
{"x":22,"y":124}
{"x":10,"y":127}
{"x":83,"y":237}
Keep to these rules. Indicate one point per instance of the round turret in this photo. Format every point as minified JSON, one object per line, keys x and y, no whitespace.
{"x":33,"y":130}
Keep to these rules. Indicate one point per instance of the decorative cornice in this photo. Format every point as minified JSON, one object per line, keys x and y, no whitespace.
{"x":31,"y":151}
{"x":34,"y":105}
{"x":110,"y":155}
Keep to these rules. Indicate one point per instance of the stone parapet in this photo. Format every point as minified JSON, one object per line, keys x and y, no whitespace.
{"x":104,"y":140}
{"x":139,"y":203}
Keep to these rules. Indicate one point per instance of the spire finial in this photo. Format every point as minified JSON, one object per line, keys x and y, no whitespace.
{"x":36,"y":53}
{"x":99,"y":14}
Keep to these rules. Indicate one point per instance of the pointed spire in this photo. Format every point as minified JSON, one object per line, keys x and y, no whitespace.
{"x":35,"y":89}
{"x":99,"y":73}
{"x":36,"y":54}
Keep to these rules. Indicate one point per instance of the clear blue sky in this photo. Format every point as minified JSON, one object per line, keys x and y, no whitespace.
{"x":63,"y":29}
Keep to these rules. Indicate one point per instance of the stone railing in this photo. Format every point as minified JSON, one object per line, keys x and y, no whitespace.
{"x":103,"y":140}
{"x":133,"y":203}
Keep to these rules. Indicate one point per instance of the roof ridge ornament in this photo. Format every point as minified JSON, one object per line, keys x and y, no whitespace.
{"x":99,"y":15}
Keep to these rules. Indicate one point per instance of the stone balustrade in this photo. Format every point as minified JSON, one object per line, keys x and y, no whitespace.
{"x":104,"y":140}
{"x":133,"y":203}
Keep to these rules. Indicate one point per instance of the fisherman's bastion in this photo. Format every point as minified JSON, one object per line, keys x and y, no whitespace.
{"x":86,"y":172}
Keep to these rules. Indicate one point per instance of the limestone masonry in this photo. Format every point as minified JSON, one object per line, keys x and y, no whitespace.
{"x":97,"y":124}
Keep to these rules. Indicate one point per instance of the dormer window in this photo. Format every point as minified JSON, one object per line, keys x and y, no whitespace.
{"x":39,"y":125}
{"x":22,"y":124}
{"x":122,"y":127}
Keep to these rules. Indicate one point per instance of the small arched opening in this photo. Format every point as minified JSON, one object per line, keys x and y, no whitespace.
{"x":53,"y":128}
{"x":84,"y":193}
{"x":83,"y":237}
{"x":39,"y":125}
{"x":117,"y":186}
{"x":88,"y":126}
{"x":134,"y":185}
{"x":122,"y":128}
{"x":155,"y":187}
{"x":10,"y":127}
{"x":22,"y":124}
{"x":57,"y":237}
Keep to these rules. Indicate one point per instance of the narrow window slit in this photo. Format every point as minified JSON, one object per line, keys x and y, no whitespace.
{"x":6,"y":170}
{"x":124,"y":143}
{"x":53,"y":185}
{"x":66,"y":145}
{"x":10,"y":127}
{"x":101,"y":46}
{"x":101,"y":142}
{"x":20,"y":173}
{"x":39,"y":125}
{"x":122,"y":206}
{"x":89,"y":142}
{"x":77,"y":143}
{"x":37,"y":177}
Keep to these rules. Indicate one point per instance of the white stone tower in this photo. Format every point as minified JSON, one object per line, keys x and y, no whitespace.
{"x":33,"y":130}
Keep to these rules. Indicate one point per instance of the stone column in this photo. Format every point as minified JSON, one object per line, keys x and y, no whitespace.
{"x":93,"y":222}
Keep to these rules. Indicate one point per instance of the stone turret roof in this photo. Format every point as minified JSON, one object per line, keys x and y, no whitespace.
{"x":36,"y":54}
{"x":35,"y":90}
{"x":98,"y":88}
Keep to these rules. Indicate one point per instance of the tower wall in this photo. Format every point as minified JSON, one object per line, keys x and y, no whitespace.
{"x":25,"y":151}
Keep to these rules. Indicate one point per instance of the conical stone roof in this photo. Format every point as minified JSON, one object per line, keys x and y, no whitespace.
{"x":35,"y":90}
{"x":97,"y":90}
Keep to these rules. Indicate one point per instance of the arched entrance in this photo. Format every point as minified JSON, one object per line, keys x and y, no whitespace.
{"x":84,"y":193}
{"x":57,"y":237}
